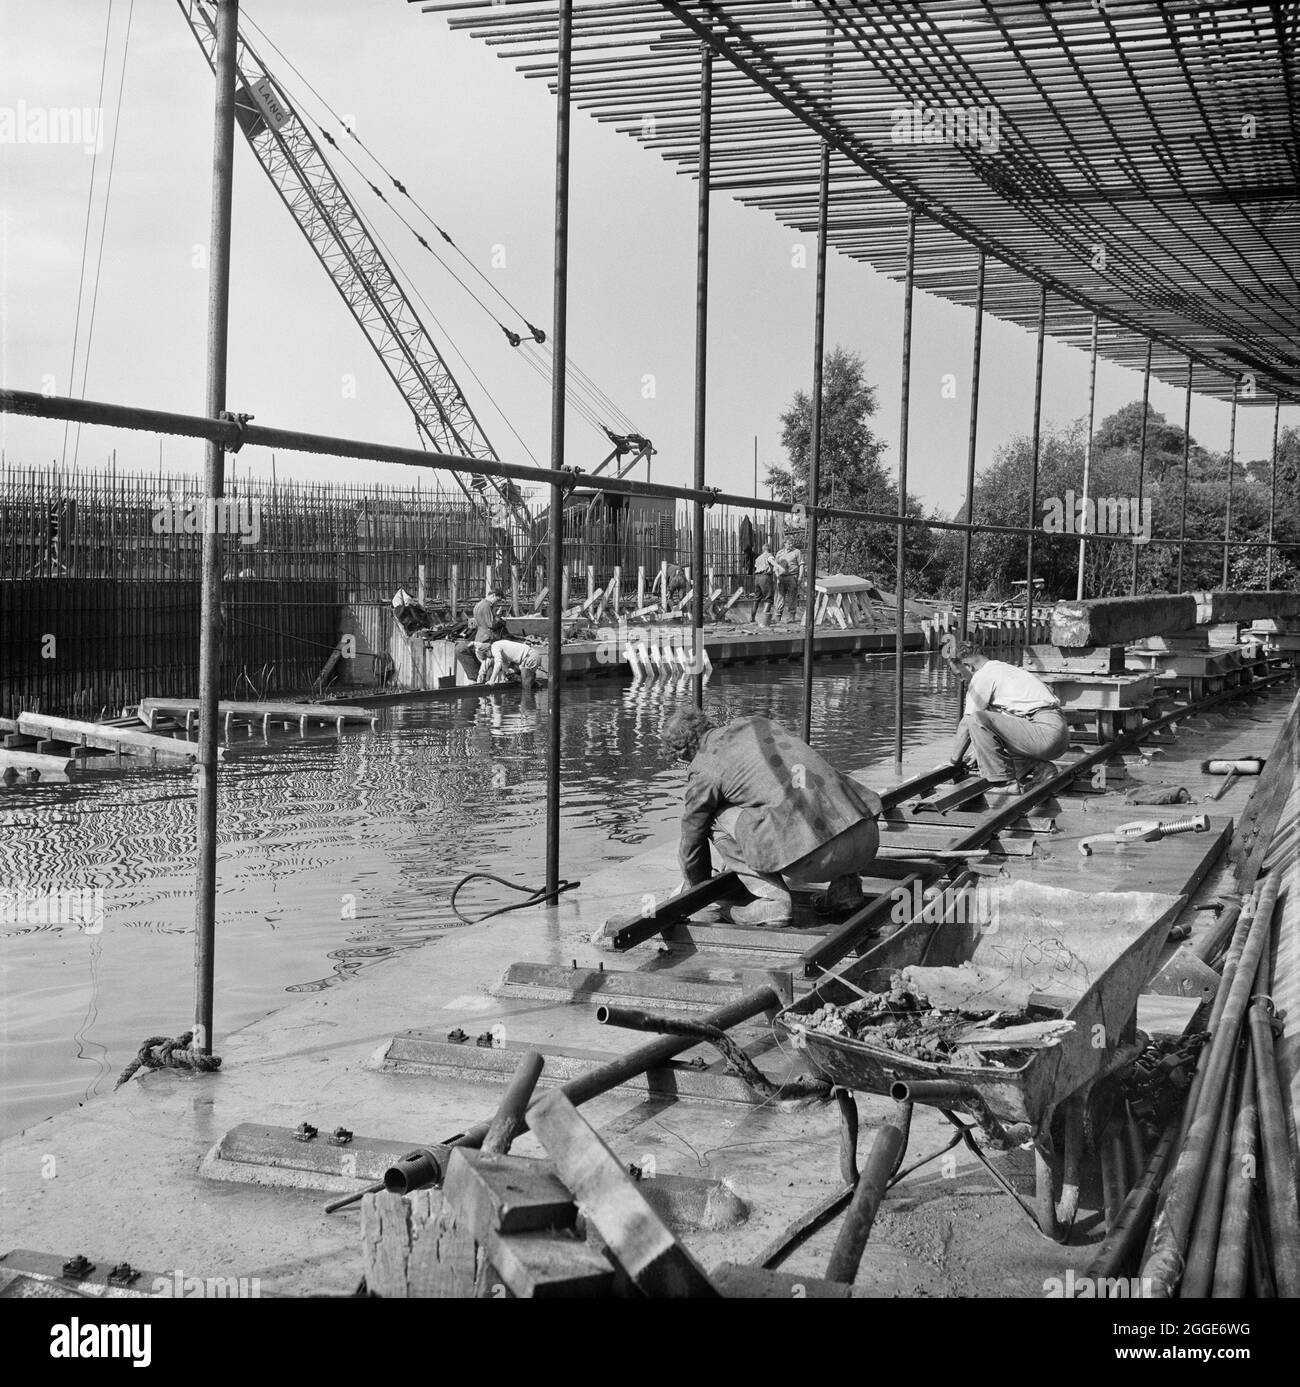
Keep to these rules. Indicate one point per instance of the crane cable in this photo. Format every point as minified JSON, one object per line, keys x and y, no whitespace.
{"x":535,"y":335}
{"x":103,"y":225}
{"x":85,"y":235}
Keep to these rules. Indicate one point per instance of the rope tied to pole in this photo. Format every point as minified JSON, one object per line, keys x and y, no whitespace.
{"x":164,"y":1052}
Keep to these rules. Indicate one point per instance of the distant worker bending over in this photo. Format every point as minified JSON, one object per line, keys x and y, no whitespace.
{"x":1013,"y":721}
{"x":772,"y":808}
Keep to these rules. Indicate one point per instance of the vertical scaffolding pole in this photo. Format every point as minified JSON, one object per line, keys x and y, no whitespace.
{"x":559,"y":373}
{"x":1232,"y":462}
{"x":970,"y":449}
{"x":701,"y":359}
{"x":815,"y":443}
{"x":1272,"y":495}
{"x":1033,"y":475}
{"x":1142,"y":462}
{"x":900,"y":545}
{"x":205,"y":887}
{"x":1087,"y":461}
{"x":1187,"y":462}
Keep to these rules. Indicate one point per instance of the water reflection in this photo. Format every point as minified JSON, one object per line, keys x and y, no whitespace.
{"x":337,"y":853}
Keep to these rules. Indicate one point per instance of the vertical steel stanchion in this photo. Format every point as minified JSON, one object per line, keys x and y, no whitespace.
{"x":205,"y":887}
{"x":1232,"y":461}
{"x":900,"y":545}
{"x":1142,"y":462}
{"x":1087,"y":461}
{"x":1272,"y":494}
{"x":815,"y":442}
{"x":1033,"y":475}
{"x":559,"y":370}
{"x":1187,"y":462}
{"x":967,"y":538}
{"x":701,"y":360}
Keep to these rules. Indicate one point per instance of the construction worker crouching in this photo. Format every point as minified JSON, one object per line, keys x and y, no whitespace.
{"x":1012,"y":720}
{"x":510,"y":655}
{"x":771,"y":808}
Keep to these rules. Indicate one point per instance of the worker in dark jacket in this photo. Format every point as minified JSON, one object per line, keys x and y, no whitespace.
{"x":771,"y":808}
{"x":488,"y":627}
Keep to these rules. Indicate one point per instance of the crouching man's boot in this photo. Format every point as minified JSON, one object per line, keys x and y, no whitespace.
{"x":773,"y":906}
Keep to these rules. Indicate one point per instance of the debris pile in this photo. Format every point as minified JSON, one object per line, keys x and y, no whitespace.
{"x":911,"y":1021}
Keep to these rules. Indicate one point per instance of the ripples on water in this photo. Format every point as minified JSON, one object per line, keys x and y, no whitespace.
{"x":335,"y":854}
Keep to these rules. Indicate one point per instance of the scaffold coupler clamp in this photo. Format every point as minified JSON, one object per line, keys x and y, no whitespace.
{"x":572,"y":476}
{"x":239,"y":421}
{"x":712,"y":492}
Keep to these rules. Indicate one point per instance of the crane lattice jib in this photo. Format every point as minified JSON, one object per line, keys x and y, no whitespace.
{"x":334,"y":229}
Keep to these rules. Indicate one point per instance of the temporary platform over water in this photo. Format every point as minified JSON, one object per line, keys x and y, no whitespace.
{"x":369,"y":1088}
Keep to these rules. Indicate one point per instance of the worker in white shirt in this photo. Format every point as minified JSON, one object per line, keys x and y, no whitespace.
{"x":1012,"y":720}
{"x":764,"y":583}
{"x":508,"y":655}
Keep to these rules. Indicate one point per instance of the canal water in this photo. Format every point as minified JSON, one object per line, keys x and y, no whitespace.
{"x":337,"y":853}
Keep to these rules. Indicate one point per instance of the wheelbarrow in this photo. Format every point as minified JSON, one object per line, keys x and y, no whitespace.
{"x":983,"y":947}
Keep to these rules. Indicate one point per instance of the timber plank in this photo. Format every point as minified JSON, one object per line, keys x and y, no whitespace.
{"x":636,"y":1237}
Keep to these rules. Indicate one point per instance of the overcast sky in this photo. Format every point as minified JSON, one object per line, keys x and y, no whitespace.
{"x":474,"y":143}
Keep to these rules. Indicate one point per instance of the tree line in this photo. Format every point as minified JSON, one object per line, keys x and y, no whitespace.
{"x":853,"y":474}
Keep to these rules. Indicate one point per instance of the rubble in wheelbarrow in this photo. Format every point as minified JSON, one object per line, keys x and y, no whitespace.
{"x":904,"y":1020}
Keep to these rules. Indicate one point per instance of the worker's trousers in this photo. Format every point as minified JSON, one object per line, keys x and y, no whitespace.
{"x":1008,"y":746}
{"x":850,"y":853}
{"x":787,"y":598}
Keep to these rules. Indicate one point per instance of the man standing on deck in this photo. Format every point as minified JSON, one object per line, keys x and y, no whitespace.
{"x":789,"y":570}
{"x":1012,"y":719}
{"x":488,"y":627}
{"x":771,"y":808}
{"x":764,"y":583}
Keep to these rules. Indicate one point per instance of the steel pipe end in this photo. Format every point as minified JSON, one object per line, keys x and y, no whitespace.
{"x":602,"y":1015}
{"x":413,"y":1172}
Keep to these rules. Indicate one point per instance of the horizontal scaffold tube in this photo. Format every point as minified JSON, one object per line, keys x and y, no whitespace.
{"x":234,"y":435}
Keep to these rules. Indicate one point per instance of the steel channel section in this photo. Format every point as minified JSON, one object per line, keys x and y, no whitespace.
{"x":900,"y":550}
{"x":1087,"y":464}
{"x":1187,"y":462}
{"x":205,"y":890}
{"x":701,"y":362}
{"x":1232,"y":463}
{"x":1033,"y":464}
{"x":815,"y":452}
{"x":976,"y":349}
{"x":1142,"y":459}
{"x":559,"y":379}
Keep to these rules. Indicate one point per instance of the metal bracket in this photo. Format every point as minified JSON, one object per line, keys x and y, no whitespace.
{"x":340,"y":1136}
{"x":304,"y":1131}
{"x":78,"y":1267}
{"x":123,"y":1275}
{"x":238,"y":420}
